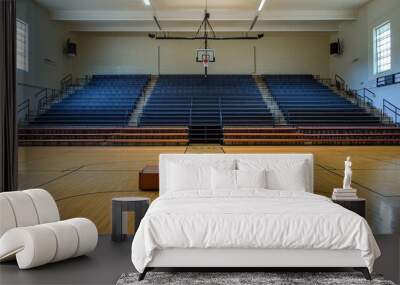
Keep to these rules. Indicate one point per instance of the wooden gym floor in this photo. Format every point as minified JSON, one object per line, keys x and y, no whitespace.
{"x":84,"y":179}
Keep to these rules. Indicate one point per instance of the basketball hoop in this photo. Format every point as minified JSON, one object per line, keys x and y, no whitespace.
{"x":205,"y":60}
{"x":205,"y":56}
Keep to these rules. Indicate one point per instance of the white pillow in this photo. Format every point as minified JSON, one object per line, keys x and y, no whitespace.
{"x":223,"y":179}
{"x":184,"y":178}
{"x":283,"y":174}
{"x":183,"y":174}
{"x":251,"y":178}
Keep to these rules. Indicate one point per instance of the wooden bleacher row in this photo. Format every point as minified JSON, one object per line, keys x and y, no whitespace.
{"x":79,"y":130}
{"x":102,"y":136}
{"x":232,"y":136}
{"x":313,"y":135}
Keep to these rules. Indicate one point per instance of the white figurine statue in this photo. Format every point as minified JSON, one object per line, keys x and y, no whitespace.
{"x":347,"y":174}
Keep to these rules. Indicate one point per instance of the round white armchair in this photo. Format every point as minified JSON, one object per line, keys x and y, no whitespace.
{"x":31,"y":230}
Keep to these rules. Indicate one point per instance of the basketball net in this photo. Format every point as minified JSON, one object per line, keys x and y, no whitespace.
{"x":205,"y":61}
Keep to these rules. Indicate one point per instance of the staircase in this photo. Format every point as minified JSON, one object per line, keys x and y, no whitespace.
{"x":135,"y":117}
{"x":205,"y":120}
{"x":211,"y":134}
{"x":279,"y":118}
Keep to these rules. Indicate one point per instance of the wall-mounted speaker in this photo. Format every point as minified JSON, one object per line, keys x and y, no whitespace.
{"x":336,"y":48}
{"x":70,"y":48}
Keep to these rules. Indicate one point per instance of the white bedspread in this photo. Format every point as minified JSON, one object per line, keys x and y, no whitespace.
{"x":250,"y":219}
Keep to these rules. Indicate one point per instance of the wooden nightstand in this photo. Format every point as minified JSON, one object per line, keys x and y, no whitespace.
{"x":355,"y":205}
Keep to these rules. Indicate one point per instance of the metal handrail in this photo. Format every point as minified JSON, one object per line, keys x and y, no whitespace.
{"x":190,"y":111}
{"x":66,"y":81}
{"x":363,"y":97}
{"x":46,"y":95}
{"x":363,"y":100}
{"x":220,"y":111}
{"x":325,"y":81}
{"x":366,"y":98}
{"x":24,"y":106}
{"x":50,"y":95}
{"x":339,"y":78}
{"x":37,"y":94}
{"x":366,"y":90}
{"x":340,"y":83}
{"x":82,"y":81}
{"x":29,"y":85}
{"x":395,"y":110}
{"x":43,"y":101}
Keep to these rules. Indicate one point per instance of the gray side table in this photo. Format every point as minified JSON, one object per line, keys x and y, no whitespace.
{"x":120,"y":206}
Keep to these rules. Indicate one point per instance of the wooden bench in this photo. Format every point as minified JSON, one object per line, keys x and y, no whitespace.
{"x":105,"y":135}
{"x":62,"y":142}
{"x":355,"y":141}
{"x":64,"y":130}
{"x":102,"y":142}
{"x":263,"y":141}
{"x":230,"y":135}
{"x":147,"y":141}
{"x":353,"y":135}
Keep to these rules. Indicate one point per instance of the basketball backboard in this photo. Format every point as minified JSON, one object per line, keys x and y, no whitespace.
{"x":205,"y":55}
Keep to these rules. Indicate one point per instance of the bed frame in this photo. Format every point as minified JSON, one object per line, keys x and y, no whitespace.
{"x":242,"y":259}
{"x":246,"y":259}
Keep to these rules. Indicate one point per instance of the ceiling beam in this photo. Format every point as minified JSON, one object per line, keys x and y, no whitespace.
{"x":150,"y":27}
{"x":308,"y":15}
{"x":197,"y":15}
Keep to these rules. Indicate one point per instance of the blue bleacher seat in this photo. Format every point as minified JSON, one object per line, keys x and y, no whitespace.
{"x":218,"y":100}
{"x":306,"y":102}
{"x":107,"y":100}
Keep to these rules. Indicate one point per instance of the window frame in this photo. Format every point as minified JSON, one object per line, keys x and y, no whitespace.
{"x":376,"y":59}
{"x":26,"y":46}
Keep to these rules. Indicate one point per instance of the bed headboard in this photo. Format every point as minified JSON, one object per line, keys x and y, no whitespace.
{"x":213,"y":158}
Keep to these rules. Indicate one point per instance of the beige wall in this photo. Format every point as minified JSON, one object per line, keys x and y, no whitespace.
{"x":136,"y":53}
{"x":46,"y":41}
{"x":114,"y":53}
{"x":294,"y":53}
{"x":355,"y":65}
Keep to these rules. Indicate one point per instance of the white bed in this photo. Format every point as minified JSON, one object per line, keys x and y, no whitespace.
{"x":248,"y":227}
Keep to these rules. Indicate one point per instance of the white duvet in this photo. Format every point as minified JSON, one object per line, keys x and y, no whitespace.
{"x":250,"y":219}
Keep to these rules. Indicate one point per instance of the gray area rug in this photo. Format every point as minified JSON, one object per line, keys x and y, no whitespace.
{"x":236,"y":278}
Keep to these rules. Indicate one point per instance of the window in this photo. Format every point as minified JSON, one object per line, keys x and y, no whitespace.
{"x":382,"y":48}
{"x":22,"y":45}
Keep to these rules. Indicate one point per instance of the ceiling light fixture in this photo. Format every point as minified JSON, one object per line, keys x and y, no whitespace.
{"x":261,"y":5}
{"x":147,"y":2}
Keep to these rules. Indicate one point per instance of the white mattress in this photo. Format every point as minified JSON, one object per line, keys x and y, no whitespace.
{"x":254,"y":219}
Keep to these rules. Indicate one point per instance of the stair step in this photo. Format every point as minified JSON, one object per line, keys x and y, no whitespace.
{"x":135,"y":116}
{"x":279,"y":118}
{"x":205,"y":134}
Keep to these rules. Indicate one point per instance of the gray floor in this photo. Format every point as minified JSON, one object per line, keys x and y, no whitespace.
{"x":103,"y":266}
{"x":110,"y":260}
